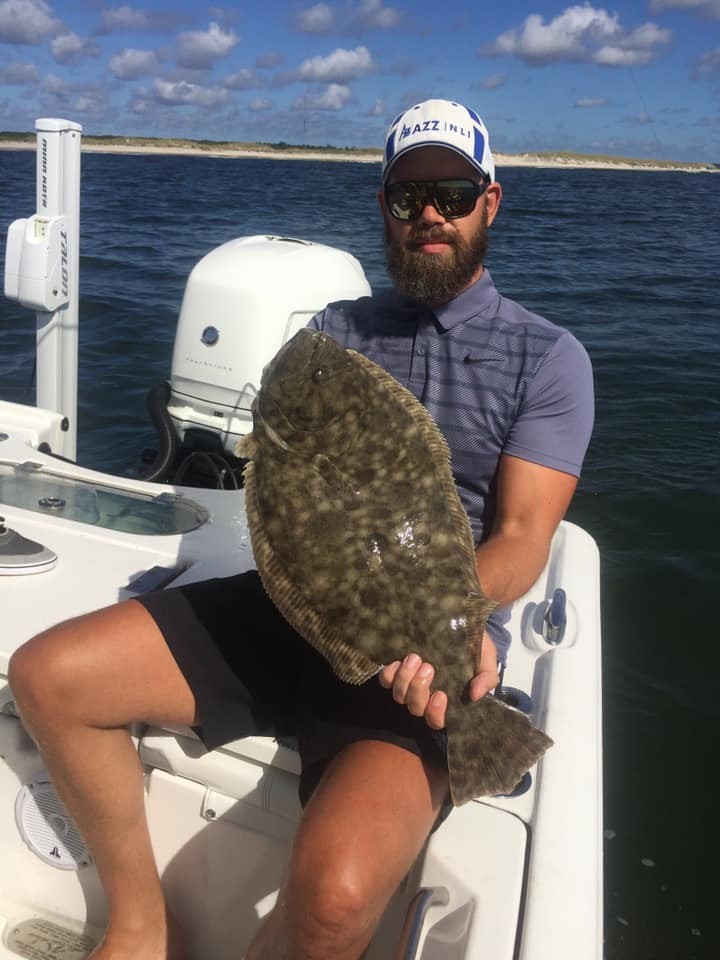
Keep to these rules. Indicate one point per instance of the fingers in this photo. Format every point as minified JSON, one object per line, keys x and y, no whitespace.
{"x":486,"y":670}
{"x":410,"y":681}
{"x":435,"y":710}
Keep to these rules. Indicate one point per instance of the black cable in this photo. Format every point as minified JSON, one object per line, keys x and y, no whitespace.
{"x":218,"y":464}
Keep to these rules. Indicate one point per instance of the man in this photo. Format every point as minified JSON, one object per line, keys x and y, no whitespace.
{"x":513,"y":395}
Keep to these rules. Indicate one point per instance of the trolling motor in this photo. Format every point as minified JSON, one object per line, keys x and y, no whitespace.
{"x":242,"y":302}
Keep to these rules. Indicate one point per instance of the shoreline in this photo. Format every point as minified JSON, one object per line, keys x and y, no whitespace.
{"x":546,"y":161}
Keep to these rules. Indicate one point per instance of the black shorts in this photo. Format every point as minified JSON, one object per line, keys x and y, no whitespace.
{"x":250,"y":672}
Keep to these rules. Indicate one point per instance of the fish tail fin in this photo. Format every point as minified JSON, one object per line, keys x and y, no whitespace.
{"x":490,"y":747}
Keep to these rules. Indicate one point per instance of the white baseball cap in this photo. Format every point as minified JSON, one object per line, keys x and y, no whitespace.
{"x":439,"y":123}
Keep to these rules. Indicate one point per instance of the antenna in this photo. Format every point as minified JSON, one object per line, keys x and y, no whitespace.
{"x":646,"y":112}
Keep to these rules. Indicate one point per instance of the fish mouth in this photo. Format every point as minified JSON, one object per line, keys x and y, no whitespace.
{"x":272,"y":411}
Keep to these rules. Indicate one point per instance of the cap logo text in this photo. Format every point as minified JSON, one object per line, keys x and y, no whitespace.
{"x":433,"y":126}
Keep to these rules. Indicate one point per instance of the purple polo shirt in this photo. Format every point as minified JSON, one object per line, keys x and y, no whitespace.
{"x":495,"y":377}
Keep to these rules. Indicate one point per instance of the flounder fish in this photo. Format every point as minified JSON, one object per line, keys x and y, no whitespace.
{"x":363,"y":545}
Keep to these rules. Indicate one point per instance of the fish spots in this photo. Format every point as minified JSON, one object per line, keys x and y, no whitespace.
{"x":450,"y":603}
{"x":370,"y":598}
{"x":372,"y":553}
{"x":365,"y":475}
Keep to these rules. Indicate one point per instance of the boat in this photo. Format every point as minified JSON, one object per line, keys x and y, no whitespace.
{"x":515,"y":877}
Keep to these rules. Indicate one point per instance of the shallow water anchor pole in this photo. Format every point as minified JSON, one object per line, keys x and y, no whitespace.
{"x":58,"y":195}
{"x":42,"y":268}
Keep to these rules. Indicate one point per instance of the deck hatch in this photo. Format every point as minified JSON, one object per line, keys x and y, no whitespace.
{"x":54,"y":495}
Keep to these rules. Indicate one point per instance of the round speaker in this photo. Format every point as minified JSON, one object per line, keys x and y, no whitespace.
{"x":47,"y":828}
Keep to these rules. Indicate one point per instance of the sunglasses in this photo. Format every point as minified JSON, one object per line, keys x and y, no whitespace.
{"x":406,"y":199}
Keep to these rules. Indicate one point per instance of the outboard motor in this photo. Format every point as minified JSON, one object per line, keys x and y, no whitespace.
{"x":242,"y":302}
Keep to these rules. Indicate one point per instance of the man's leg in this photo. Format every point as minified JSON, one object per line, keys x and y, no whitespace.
{"x":360,"y":833}
{"x":77,"y":687}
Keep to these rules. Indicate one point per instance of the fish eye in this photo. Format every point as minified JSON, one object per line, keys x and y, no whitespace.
{"x":318,"y":374}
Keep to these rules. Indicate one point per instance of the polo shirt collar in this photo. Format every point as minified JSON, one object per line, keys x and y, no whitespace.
{"x":396,"y":312}
{"x":480,"y":298}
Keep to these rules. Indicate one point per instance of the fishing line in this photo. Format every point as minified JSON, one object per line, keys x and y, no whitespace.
{"x":646,"y":112}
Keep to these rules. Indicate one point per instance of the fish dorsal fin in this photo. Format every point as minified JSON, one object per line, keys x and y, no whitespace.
{"x":349,"y":665}
{"x":437,"y":446}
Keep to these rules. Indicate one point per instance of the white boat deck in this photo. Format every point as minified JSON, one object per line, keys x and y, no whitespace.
{"x":522,"y":875}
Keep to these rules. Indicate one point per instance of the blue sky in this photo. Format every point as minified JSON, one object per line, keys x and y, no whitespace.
{"x":634,"y":78}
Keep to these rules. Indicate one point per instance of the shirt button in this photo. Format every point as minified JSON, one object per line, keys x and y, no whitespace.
{"x":421,"y":351}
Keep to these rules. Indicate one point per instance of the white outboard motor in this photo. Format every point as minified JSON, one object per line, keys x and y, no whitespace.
{"x":242,"y":302}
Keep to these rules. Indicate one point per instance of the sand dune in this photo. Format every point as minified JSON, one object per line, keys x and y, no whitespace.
{"x":262,"y":151}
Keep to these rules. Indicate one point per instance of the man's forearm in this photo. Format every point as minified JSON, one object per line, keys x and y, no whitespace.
{"x":508,"y":565}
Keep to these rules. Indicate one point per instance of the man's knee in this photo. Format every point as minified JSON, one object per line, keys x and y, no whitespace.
{"x":41,"y":673}
{"x":333,"y":903}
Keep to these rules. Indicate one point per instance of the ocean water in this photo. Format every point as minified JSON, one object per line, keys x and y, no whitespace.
{"x":630,"y":262}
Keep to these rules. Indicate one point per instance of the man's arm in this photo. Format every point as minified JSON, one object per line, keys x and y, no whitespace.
{"x":531,"y":501}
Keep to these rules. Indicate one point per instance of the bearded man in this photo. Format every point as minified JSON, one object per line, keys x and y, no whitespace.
{"x":512,"y":394}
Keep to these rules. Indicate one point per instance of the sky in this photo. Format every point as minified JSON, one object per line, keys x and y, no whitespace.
{"x":640,"y":78}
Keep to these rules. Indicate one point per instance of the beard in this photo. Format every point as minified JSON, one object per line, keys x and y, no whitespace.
{"x":433,"y":280}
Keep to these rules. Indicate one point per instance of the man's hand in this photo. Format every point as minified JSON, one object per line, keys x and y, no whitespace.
{"x":411,"y":683}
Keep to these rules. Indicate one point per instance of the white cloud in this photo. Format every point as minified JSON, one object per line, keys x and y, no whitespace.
{"x":645,"y":37}
{"x":70,"y":48}
{"x":55,"y":85}
{"x":259,"y":105}
{"x":124,"y":18}
{"x":590,"y":102}
{"x":334,"y":97}
{"x":18,"y":74}
{"x":338,"y":67}
{"x":492,"y":82}
{"x":378,"y":109}
{"x":200,"y":49}
{"x":27,"y":21}
{"x":706,"y":8}
{"x":635,"y":47}
{"x":241,"y":80}
{"x":135,"y":20}
{"x":614,"y":56}
{"x":707,"y":64}
{"x":372,"y":13}
{"x":319,"y":18}
{"x":180,"y":92}
{"x":77,"y":96}
{"x":132,"y":64}
{"x":367,"y":14}
{"x":94,"y":102}
{"x":580,"y":34}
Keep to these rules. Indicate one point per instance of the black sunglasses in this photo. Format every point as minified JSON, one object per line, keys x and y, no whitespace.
{"x":406,"y":199}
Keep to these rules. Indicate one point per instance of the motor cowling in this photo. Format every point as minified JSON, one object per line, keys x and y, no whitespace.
{"x":242,"y":302}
